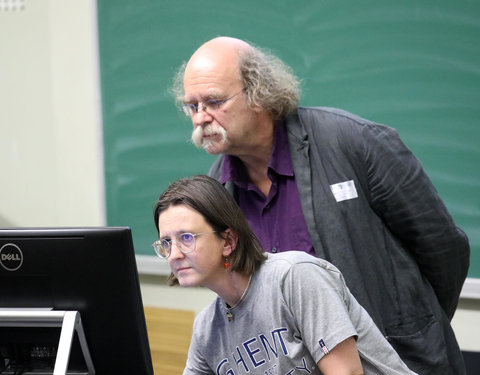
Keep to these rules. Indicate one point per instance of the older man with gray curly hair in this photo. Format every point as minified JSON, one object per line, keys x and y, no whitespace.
{"x":340,"y":187}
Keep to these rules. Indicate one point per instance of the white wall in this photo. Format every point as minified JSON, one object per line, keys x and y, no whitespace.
{"x":50,"y":126}
{"x":50,"y":137}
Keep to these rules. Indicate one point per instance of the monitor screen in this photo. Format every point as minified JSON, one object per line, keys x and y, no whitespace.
{"x":90,"y":270}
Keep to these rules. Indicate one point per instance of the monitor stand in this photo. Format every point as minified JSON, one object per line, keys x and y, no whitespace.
{"x":69,"y":321}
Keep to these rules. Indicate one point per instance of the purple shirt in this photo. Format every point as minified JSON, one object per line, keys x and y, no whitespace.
{"x":277,"y":220}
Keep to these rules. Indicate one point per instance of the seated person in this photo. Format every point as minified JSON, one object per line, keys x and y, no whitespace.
{"x":267,"y":319}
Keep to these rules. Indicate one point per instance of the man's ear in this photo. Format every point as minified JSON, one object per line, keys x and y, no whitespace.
{"x":231,"y":240}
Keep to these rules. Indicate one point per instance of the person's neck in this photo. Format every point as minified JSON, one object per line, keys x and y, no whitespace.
{"x":257,"y":157}
{"x":233,"y":289}
{"x":257,"y":174}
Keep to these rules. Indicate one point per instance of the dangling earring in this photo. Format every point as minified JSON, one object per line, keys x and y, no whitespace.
{"x":226,"y":264}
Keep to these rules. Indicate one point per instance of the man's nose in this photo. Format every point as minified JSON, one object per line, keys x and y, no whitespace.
{"x":201,"y":117}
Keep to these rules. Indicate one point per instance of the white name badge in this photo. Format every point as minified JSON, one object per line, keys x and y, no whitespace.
{"x":344,"y":191}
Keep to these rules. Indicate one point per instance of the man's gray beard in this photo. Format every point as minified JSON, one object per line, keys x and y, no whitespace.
{"x":199,"y":132}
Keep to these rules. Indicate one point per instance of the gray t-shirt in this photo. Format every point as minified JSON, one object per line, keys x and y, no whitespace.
{"x":297,"y":309}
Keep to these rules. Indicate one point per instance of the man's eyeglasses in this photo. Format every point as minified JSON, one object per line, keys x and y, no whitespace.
{"x":210,"y":105}
{"x":185,"y":243}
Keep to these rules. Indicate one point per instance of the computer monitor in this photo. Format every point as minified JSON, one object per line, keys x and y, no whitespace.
{"x":90,"y":270}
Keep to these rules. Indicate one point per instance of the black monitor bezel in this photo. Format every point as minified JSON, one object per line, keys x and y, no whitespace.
{"x":87,"y":269}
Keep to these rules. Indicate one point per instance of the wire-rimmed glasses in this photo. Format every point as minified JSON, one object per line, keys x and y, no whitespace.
{"x":210,"y":105}
{"x":185,"y":242}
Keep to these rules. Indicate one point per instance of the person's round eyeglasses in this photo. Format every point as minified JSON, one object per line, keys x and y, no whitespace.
{"x":185,"y":242}
{"x":210,"y":105}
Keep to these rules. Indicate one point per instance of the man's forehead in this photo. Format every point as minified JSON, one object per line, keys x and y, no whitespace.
{"x":210,"y":79}
{"x":208,"y":67}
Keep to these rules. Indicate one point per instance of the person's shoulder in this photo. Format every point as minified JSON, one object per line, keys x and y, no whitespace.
{"x":325,"y":123}
{"x":331,"y":114}
{"x":291,"y":259}
{"x":299,"y":268}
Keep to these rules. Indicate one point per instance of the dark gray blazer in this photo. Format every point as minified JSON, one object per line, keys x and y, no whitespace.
{"x":402,"y":256}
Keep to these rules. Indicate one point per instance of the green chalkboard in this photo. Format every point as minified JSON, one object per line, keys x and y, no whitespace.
{"x":413,"y":65}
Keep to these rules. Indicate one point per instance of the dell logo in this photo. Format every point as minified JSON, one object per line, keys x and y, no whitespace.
{"x":11,"y":257}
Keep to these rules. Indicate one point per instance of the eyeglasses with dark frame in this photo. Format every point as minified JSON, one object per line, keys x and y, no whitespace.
{"x":186,"y":243}
{"x":210,"y":105}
